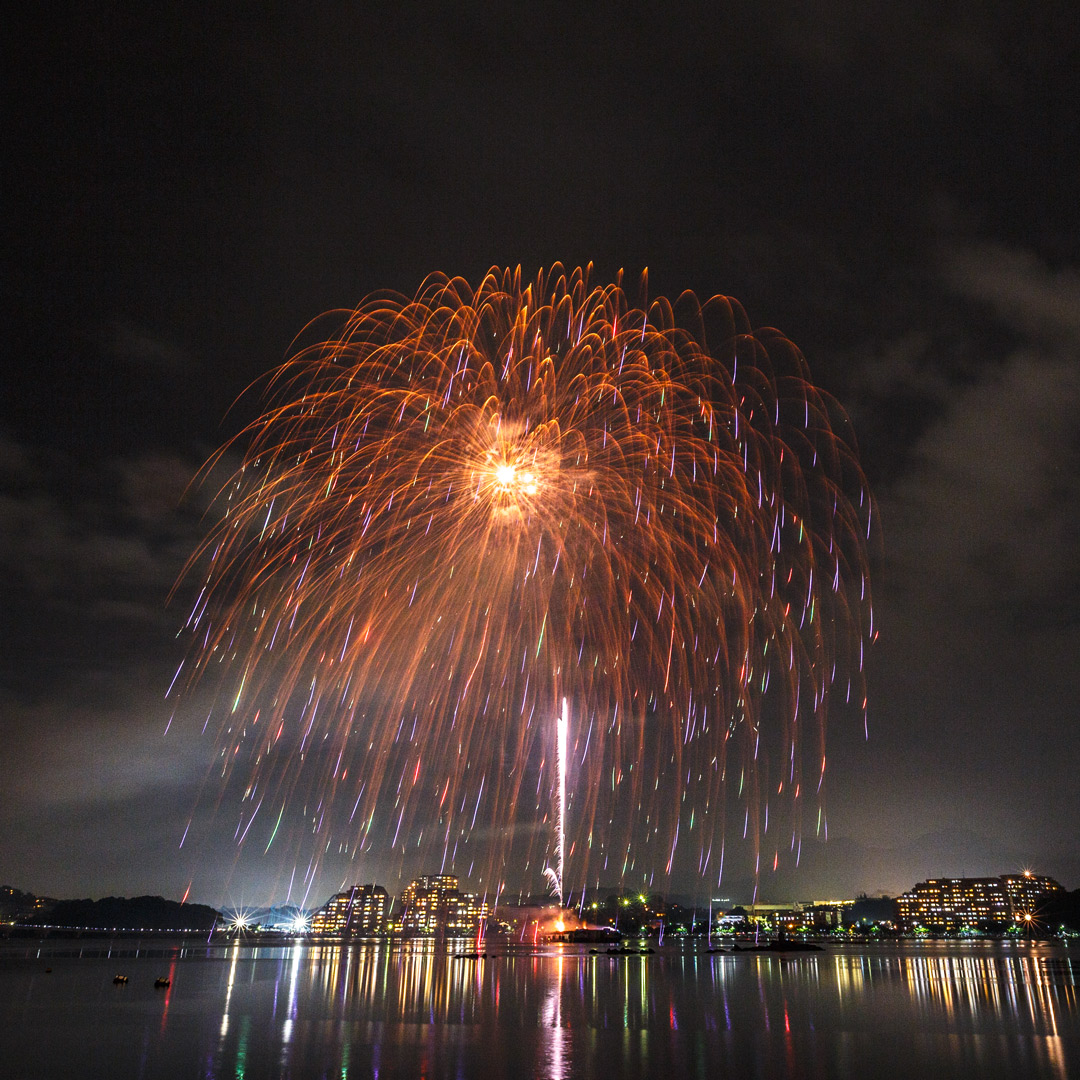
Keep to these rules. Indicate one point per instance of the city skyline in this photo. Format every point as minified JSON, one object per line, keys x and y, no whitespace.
{"x":435,"y":905}
{"x":889,"y":191}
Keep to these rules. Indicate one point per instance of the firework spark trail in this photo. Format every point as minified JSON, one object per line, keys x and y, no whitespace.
{"x":467,"y":505}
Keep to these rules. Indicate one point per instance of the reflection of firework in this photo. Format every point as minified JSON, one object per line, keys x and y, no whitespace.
{"x":472,"y":503}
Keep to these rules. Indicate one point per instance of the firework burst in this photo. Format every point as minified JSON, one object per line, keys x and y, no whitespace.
{"x":468,"y":505}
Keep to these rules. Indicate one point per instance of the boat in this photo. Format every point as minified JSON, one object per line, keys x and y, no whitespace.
{"x":779,"y":947}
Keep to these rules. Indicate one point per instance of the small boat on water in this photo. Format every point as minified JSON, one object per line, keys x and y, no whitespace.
{"x":162,"y":983}
{"x":779,"y":947}
{"x":120,"y":979}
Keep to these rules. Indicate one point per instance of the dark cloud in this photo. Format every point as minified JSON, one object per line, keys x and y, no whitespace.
{"x":1021,"y":291}
{"x":114,"y":530}
{"x":987,"y":516}
{"x":986,"y":521}
{"x":143,"y":347}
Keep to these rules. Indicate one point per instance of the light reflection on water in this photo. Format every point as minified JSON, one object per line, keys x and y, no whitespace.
{"x":417,"y":1010}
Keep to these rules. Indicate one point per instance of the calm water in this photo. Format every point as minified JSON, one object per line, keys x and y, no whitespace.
{"x":369,"y":1010}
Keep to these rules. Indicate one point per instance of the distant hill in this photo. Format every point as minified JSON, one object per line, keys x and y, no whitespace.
{"x":136,"y":913}
{"x":283,"y":917}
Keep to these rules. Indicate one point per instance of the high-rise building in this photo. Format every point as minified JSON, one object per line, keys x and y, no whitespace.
{"x":951,"y":904}
{"x":472,"y":910}
{"x":432,"y":904}
{"x":1025,"y":890}
{"x":361,"y":910}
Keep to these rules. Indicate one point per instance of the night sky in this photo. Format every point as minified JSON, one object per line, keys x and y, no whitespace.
{"x":893,"y":186}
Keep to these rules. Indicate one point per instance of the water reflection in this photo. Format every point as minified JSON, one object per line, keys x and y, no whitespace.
{"x":1027,"y":991}
{"x":555,"y":1065}
{"x":418,"y":1010}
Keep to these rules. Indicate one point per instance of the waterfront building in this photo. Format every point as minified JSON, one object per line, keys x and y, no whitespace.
{"x":361,"y":910}
{"x":433,"y":905}
{"x":472,"y":910}
{"x":950,"y":905}
{"x":1026,"y":890}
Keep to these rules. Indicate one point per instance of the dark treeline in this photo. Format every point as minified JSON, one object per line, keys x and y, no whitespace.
{"x":1060,"y":909}
{"x":142,"y":912}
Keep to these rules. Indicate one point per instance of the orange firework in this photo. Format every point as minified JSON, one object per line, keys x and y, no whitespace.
{"x":468,"y":505}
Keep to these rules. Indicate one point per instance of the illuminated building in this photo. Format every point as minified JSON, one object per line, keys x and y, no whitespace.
{"x":361,"y":910}
{"x":432,"y":904}
{"x":1025,"y":890}
{"x":949,"y":905}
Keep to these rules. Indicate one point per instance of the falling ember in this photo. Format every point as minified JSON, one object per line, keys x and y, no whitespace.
{"x":464,"y":507}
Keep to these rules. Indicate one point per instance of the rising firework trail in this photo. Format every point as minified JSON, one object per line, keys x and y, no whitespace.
{"x":555,"y":874}
{"x":459,"y":508}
